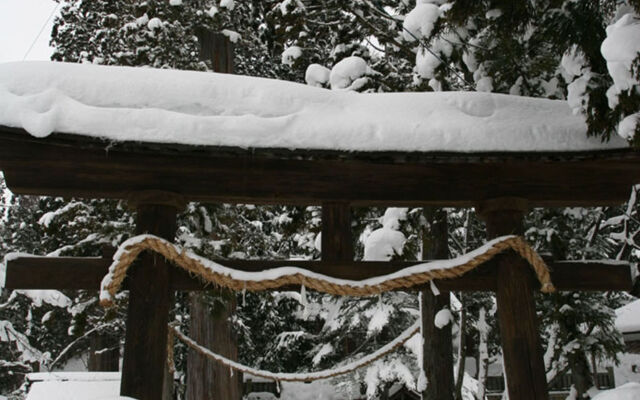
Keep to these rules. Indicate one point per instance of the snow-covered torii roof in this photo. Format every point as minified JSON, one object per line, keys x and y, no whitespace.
{"x":202,"y":108}
{"x":96,"y":131}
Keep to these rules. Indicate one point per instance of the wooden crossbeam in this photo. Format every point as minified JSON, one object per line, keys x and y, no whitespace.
{"x":86,"y":273}
{"x":75,"y":166}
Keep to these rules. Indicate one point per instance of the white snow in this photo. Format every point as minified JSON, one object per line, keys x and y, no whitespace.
{"x":577,"y":96}
{"x":75,"y":386}
{"x":628,"y":317}
{"x":572,"y":63}
{"x":212,"y":11}
{"x":493,"y":13}
{"x":48,"y":217}
{"x":325,"y":350}
{"x":347,"y":71}
{"x":3,"y":275}
{"x":443,"y":318}
{"x":626,"y":128}
{"x":379,"y":318}
{"x":290,"y":55}
{"x":420,"y":21}
{"x":228,"y":4}
{"x":426,"y":63}
{"x":382,"y":244}
{"x":232,"y":35}
{"x":620,"y":48}
{"x":275,"y":273}
{"x":317,"y":75}
{"x":175,"y":2}
{"x":154,"y":23}
{"x":202,"y":108}
{"x":52,"y":297}
{"x":628,"y":370}
{"x":629,"y":391}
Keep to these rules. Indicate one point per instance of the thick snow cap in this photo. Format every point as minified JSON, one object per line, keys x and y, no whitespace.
{"x":204,"y":108}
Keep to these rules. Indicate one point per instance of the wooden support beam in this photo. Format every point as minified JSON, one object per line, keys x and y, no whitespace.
{"x":78,"y":273}
{"x":521,"y":348}
{"x":337,"y":243}
{"x":436,"y":341}
{"x":76,"y":166}
{"x":150,"y":296}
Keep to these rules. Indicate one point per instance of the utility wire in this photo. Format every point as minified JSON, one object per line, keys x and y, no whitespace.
{"x":41,"y":30}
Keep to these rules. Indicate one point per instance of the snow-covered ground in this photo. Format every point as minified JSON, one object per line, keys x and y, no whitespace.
{"x":629,"y":391}
{"x":203,"y":108}
{"x":74,"y":386}
{"x":628,"y":317}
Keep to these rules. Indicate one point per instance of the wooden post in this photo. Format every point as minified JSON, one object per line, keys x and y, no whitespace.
{"x":216,"y":48}
{"x":522,"y":352}
{"x":437,"y":342}
{"x":150,"y":297}
{"x":207,"y":379}
{"x":104,"y":353}
{"x":337,"y":243}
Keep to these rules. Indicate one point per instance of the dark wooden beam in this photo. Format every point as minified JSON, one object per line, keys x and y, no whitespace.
{"x":437,"y":350}
{"x":337,"y":243}
{"x":150,"y":296}
{"x":519,"y":333}
{"x":75,"y":273}
{"x":69,"y":165}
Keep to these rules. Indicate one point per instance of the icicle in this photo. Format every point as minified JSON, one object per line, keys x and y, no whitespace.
{"x":244,"y":293}
{"x":434,"y":289}
{"x":278,"y":385}
{"x":380,"y":301}
{"x":303,"y":296}
{"x":421,"y":385}
{"x":304,"y":302}
{"x":230,"y":371}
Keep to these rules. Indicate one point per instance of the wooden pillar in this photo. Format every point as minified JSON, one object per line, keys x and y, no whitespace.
{"x":207,"y":379}
{"x":104,"y":353}
{"x":216,"y":48}
{"x":522,"y":352}
{"x":337,"y":242}
{"x":150,"y":297}
{"x":437,"y":346}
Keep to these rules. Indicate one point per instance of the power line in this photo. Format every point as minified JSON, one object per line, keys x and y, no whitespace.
{"x":41,"y":30}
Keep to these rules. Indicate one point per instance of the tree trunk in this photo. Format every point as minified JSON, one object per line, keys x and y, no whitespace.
{"x":206,"y":379}
{"x":483,"y":354}
{"x":462,"y":350}
{"x":580,"y":373}
{"x":104,"y":353}
{"x":437,"y":347}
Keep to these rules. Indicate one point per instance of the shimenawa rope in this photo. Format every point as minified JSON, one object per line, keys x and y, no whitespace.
{"x":196,"y":265}
{"x":290,"y":377}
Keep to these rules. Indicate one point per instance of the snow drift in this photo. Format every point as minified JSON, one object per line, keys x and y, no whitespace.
{"x":204,"y":108}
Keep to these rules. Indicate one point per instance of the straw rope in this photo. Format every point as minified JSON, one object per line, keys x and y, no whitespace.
{"x":195,"y":265}
{"x":298,"y":377}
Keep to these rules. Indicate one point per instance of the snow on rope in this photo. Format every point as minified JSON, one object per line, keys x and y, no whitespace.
{"x":229,"y":278}
{"x":293,"y":377}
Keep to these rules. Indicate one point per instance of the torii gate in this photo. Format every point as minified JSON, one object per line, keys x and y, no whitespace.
{"x":158,"y":179}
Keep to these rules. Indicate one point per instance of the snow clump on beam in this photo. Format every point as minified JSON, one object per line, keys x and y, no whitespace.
{"x":204,"y":108}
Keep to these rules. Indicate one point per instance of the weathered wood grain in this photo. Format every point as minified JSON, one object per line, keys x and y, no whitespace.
{"x":519,"y":333}
{"x":76,"y":273}
{"x":67,"y":165}
{"x":150,"y":296}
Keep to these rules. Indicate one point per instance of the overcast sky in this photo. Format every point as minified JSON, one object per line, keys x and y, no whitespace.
{"x":20,"y":22}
